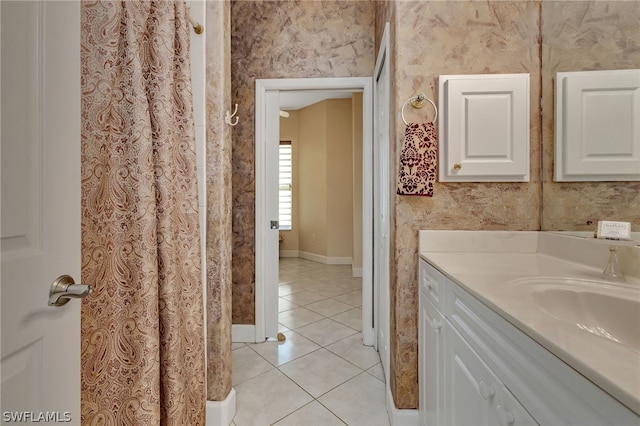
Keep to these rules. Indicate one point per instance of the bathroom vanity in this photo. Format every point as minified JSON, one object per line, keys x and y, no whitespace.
{"x":519,"y":328}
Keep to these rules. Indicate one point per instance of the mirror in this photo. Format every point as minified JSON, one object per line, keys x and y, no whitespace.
{"x":585,"y":36}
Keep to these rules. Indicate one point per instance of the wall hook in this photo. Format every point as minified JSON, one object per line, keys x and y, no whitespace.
{"x":229,"y":116}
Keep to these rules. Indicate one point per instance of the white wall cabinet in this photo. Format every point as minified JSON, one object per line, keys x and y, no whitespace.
{"x":597,"y":126}
{"x":484,"y":128}
{"x":477,"y":369}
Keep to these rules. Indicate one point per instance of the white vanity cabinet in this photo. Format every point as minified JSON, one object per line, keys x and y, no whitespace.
{"x":477,"y":368}
{"x":431,"y":336}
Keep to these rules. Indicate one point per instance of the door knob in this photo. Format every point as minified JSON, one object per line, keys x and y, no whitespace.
{"x":65,"y":288}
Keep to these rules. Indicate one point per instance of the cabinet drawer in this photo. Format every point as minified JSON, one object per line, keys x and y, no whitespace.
{"x":431,"y":283}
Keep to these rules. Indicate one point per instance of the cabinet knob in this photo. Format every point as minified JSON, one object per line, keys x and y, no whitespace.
{"x":457,"y":166}
{"x":486,"y":391}
{"x":436,"y":324}
{"x":429,"y":285}
{"x":506,"y":417}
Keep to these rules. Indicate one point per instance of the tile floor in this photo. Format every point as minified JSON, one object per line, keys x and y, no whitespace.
{"x":322,"y":374}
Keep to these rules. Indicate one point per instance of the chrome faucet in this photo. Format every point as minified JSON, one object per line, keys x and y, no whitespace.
{"x":613,"y":271}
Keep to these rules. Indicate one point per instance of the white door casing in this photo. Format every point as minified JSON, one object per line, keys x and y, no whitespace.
{"x":40,"y":209}
{"x":266,"y":240}
{"x":381,"y":179}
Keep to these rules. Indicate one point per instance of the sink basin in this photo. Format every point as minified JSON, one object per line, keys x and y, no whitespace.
{"x":600,"y":308}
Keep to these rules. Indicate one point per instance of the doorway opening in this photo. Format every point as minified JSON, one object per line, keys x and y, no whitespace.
{"x":268,"y":106}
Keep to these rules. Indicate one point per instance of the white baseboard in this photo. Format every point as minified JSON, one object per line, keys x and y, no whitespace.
{"x":356,"y":272}
{"x":289,"y":253}
{"x":325,"y":259}
{"x":243,"y":333}
{"x":221,"y":413}
{"x":400,"y":417}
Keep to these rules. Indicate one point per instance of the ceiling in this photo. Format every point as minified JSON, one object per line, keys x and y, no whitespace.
{"x":292,"y":100}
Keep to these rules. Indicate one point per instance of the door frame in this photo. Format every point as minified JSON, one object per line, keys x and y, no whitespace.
{"x":381,"y":261}
{"x":266,"y":273}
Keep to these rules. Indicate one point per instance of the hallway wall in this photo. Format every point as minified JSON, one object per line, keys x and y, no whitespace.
{"x":284,"y":39}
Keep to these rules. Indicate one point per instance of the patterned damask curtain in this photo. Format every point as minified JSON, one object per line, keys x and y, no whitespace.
{"x":142,"y":328}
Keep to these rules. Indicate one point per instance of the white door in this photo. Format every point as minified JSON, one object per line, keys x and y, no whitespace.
{"x":40,"y":209}
{"x":381,"y":203}
{"x":269,"y":246}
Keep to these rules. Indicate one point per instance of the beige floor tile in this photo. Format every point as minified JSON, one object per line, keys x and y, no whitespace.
{"x":247,"y":364}
{"x":377,"y":371}
{"x":353,"y":350}
{"x":285,"y":305}
{"x":282,"y":328}
{"x":278,"y":353}
{"x":268,"y":398}
{"x":319,"y":371}
{"x":289,"y":288}
{"x":352,"y":318}
{"x":329,"y":290}
{"x":325,"y":332}
{"x":353,"y":298}
{"x":299,"y":317}
{"x":360,"y":401}
{"x":303,"y":298}
{"x":328,"y":307}
{"x":312,"y":414}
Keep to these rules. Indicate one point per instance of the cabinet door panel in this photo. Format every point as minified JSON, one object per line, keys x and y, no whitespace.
{"x":430,"y":363}
{"x":470,"y":387}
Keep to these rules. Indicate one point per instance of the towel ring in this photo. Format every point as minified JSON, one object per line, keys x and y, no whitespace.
{"x":417,"y":101}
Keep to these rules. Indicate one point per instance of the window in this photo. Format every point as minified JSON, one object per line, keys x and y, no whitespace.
{"x":285,"y":193}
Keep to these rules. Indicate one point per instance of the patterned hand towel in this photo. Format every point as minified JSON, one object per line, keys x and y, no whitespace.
{"x":418,"y":160}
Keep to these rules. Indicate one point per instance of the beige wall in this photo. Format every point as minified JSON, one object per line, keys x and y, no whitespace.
{"x":289,"y":132}
{"x":312,"y":182}
{"x":321,"y":136}
{"x":339,"y":206}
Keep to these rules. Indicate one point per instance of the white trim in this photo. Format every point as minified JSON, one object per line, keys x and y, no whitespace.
{"x":356,"y":272}
{"x":266,"y":317}
{"x":220,"y":413}
{"x":400,"y":417}
{"x":289,"y":253}
{"x":382,"y":252}
{"x":243,"y":333}
{"x":324,"y":259}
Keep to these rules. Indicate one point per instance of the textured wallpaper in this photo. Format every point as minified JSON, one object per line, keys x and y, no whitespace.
{"x":583,"y":36}
{"x":218,"y":178}
{"x":283,"y":39}
{"x":434,"y":38}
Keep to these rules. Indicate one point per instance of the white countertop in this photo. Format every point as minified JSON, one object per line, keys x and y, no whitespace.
{"x":485,"y":264}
